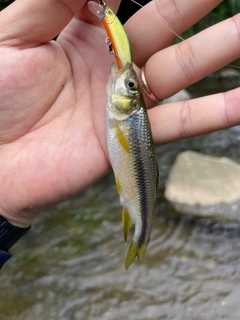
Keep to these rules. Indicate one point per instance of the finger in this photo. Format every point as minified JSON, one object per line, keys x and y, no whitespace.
{"x":30,"y":23}
{"x":181,"y":65}
{"x":150,"y":28}
{"x":87,"y":16}
{"x":190,"y":118}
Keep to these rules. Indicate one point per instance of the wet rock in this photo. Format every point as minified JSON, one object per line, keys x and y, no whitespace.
{"x":205,"y":185}
{"x":225,"y":74}
{"x":229,"y":73}
{"x":179,"y":96}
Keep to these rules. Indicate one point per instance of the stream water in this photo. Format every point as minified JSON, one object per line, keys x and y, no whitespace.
{"x":70,"y":266}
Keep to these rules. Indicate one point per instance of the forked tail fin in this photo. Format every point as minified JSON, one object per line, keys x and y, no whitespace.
{"x":134,"y":251}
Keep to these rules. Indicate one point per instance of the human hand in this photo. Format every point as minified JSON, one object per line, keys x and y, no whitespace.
{"x":52,"y":94}
{"x":169,"y":69}
{"x":52,"y":104}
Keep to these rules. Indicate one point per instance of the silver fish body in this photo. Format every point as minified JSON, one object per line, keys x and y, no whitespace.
{"x":132,"y":156}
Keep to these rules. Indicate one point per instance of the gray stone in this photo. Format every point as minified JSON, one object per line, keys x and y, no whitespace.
{"x":229,"y":73}
{"x":179,"y":96}
{"x":205,"y":185}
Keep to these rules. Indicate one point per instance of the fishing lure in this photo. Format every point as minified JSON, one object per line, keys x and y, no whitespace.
{"x":117,"y":40}
{"x":130,"y":143}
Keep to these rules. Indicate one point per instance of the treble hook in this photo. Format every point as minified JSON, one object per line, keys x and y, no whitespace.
{"x":102,"y":3}
{"x":110,"y":48}
{"x":109,"y":43}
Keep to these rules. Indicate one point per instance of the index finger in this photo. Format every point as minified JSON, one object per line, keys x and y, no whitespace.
{"x":155,"y":26}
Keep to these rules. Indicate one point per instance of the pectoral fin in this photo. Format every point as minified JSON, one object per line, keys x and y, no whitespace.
{"x":120,"y":137}
{"x":127,"y":223}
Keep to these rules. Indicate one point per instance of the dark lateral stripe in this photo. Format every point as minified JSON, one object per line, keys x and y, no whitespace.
{"x":136,"y":126}
{"x":143,"y":198}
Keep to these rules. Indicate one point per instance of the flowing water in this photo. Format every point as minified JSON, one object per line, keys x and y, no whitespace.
{"x":70,"y":266}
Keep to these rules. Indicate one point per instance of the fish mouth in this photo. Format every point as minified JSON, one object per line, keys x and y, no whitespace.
{"x":116,"y":72}
{"x":112,"y":77}
{"x":116,"y":81}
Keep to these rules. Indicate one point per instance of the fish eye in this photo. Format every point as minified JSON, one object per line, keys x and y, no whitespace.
{"x":131,"y":83}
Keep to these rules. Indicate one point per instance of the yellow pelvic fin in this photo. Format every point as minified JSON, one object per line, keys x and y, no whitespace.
{"x":118,"y":184}
{"x":127,"y":223}
{"x":121,"y":139}
{"x":133,"y":252}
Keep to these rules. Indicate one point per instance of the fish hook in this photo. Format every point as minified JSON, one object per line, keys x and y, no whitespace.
{"x":110,"y":48}
{"x":102,"y":4}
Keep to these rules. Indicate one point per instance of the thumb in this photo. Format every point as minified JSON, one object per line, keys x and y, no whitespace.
{"x":30,"y":23}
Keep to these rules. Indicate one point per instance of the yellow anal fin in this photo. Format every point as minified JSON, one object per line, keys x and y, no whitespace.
{"x":133,"y":252}
{"x":127,"y":223}
{"x":120,"y":137}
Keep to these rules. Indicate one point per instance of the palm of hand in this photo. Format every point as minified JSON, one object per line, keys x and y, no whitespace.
{"x":54,"y":146}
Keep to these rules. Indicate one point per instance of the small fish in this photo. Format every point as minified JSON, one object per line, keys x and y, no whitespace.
{"x":130,"y":144}
{"x":132,"y":157}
